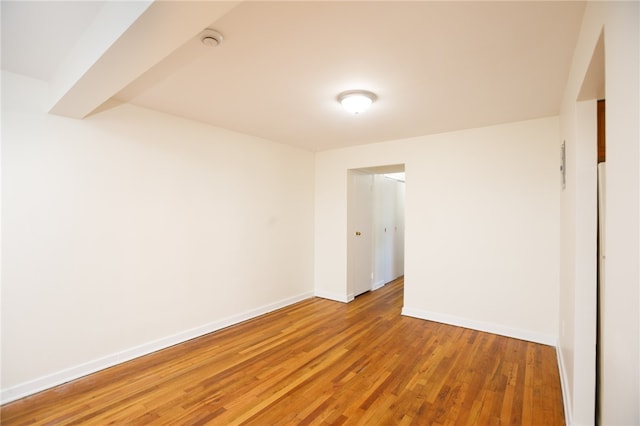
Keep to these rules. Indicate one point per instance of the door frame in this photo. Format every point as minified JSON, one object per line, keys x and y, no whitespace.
{"x":374,"y":170}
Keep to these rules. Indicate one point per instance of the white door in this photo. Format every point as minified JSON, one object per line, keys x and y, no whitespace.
{"x":384,"y":229}
{"x":602,"y":183}
{"x":398,"y":237}
{"x":360,"y":237}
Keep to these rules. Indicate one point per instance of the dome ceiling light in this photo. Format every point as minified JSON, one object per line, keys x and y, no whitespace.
{"x":356,"y":101}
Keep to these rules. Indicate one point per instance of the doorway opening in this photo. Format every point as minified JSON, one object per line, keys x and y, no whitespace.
{"x":375,"y":227}
{"x":600,"y":264}
{"x":591,"y":164}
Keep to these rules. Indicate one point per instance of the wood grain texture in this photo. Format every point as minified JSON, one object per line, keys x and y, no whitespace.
{"x":319,"y":362}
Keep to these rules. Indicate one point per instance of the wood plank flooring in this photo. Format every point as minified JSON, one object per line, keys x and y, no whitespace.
{"x":319,"y":362}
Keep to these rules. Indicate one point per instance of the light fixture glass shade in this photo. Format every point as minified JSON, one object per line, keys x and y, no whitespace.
{"x":356,"y":101}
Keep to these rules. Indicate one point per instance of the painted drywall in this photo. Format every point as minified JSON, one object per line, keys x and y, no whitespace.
{"x":618,"y":23}
{"x":481,"y":225}
{"x":131,"y":230}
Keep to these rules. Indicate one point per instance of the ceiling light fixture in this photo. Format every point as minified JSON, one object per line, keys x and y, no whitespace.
{"x":356,"y":101}
{"x":211,"y":38}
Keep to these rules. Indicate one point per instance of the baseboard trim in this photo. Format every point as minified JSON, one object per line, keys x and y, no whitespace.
{"x":333,"y":296}
{"x":527,"y":335}
{"x":564,"y":385}
{"x":378,"y":285}
{"x":55,"y":379}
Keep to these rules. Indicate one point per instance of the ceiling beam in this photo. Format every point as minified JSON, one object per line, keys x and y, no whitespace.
{"x":125,"y":40}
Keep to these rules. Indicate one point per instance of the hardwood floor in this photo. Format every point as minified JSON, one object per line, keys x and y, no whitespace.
{"x":314,"y":363}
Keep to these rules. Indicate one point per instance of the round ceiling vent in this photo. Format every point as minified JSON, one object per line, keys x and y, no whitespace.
{"x":211,"y":38}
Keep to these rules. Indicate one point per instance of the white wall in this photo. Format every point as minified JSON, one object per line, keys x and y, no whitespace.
{"x":481,"y":225}
{"x":620,"y":386}
{"x":132,"y":230}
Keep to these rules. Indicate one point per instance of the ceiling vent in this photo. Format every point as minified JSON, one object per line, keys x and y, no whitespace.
{"x":211,"y":38}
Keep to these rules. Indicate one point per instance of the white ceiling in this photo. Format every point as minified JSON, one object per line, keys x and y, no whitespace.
{"x":435,"y":66}
{"x":37,"y":35}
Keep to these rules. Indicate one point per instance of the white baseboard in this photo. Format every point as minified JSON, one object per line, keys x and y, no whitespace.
{"x":527,"y":335}
{"x":378,"y":285}
{"x":45,"y":382}
{"x":564,"y":384}
{"x":334,"y":297}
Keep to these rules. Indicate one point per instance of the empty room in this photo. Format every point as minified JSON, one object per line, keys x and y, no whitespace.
{"x":320,"y":212}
